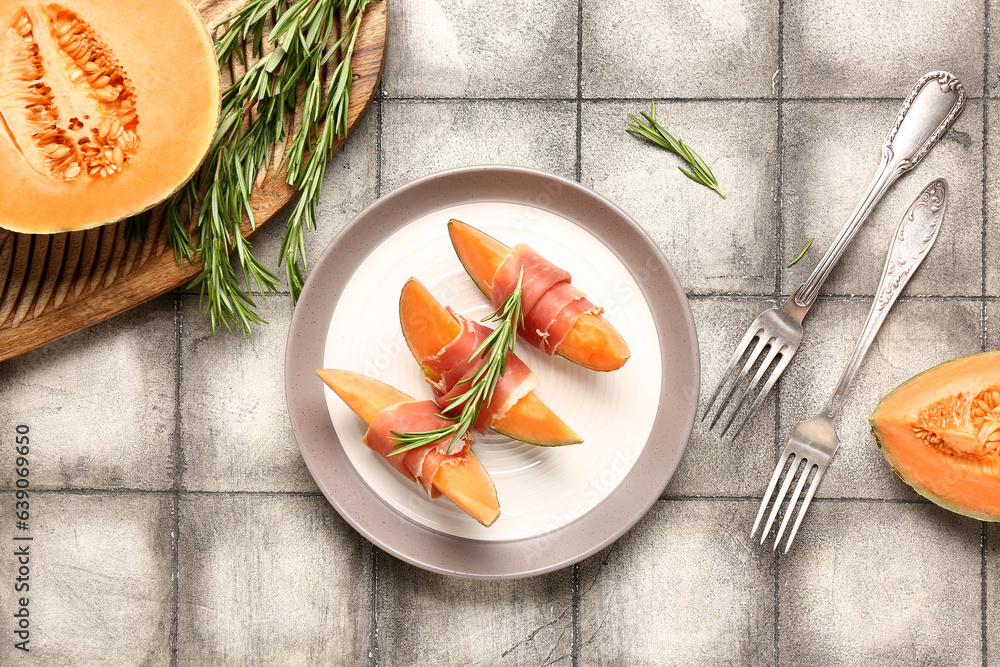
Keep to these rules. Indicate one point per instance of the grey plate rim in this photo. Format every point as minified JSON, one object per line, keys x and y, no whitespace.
{"x":374,"y":518}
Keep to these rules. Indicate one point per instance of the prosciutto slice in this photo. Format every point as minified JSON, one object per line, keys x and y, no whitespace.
{"x":457,"y":361}
{"x":551,"y":305}
{"x":420,"y":464}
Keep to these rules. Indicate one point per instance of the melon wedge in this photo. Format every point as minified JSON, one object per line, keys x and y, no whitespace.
{"x":464,"y":480}
{"x":940,"y":432}
{"x":428,"y":326}
{"x":592,"y":342}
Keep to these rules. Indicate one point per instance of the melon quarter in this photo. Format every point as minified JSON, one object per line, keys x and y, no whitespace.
{"x":940,"y":432}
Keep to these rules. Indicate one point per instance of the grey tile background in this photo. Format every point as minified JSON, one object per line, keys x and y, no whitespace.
{"x":175,"y":523}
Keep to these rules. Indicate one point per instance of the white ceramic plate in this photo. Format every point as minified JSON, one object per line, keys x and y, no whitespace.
{"x":540,"y":488}
{"x":558,"y":505}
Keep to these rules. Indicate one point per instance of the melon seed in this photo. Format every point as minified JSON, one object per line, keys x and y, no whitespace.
{"x":72,"y":171}
{"x":106,"y":94}
{"x":59,"y":152}
{"x":104,"y":128}
{"x":63,"y":29}
{"x":90,"y":66}
{"x":100,"y":82}
{"x":118,"y":157}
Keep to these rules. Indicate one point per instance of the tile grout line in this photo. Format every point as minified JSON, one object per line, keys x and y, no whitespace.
{"x":177,"y":455}
{"x":778,"y":254}
{"x":670,"y":100}
{"x":574,"y":652}
{"x":982,"y":308}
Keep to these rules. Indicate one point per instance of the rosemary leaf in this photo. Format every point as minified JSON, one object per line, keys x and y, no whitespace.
{"x":801,"y":253}
{"x":305,"y":40}
{"x":464,"y":409}
{"x":656,"y":133}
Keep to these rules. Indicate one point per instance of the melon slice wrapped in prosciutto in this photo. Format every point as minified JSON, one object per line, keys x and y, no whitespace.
{"x":457,"y":475}
{"x":559,"y":319}
{"x":444,"y":342}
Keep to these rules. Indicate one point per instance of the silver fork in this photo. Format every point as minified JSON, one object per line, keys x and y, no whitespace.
{"x":926,"y":114}
{"x":813,"y":443}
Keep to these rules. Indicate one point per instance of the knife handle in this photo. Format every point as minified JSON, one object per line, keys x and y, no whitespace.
{"x":928,"y":111}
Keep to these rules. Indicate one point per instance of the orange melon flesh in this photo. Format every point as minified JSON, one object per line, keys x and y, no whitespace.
{"x":463,"y":480}
{"x":935,"y":430}
{"x":156,"y":75}
{"x":592,"y":342}
{"x":428,"y":327}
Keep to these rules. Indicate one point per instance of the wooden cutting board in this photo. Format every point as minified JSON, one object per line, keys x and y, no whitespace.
{"x":53,"y":285}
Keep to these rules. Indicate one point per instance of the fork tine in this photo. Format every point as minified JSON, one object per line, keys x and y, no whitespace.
{"x":778,"y":469}
{"x":786,"y":357}
{"x":748,"y":337}
{"x":763,"y":340}
{"x":773,"y":352}
{"x":793,"y":500}
{"x":805,"y":504}
{"x":792,"y":470}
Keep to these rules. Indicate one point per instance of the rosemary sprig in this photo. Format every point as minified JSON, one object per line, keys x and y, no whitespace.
{"x":257,"y":112}
{"x":653,"y":131}
{"x":801,"y":253}
{"x":495,"y":349}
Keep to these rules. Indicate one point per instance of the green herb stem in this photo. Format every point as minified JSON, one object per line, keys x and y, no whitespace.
{"x":257,"y":112}
{"x":464,"y":409}
{"x":698,"y":170}
{"x":801,"y":253}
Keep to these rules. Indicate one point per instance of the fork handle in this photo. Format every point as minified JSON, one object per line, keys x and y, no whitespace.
{"x":911,"y":242}
{"x":928,"y":111}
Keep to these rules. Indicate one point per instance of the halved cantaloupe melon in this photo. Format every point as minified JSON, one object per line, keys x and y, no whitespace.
{"x":592,"y":342}
{"x":940,"y":432}
{"x":463,"y":480}
{"x":428,"y":327}
{"x":106,"y":109}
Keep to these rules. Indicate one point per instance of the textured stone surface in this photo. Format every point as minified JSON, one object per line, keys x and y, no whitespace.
{"x":992,"y":203}
{"x":887,"y":584}
{"x":235,"y":434}
{"x":656,"y":49}
{"x":685,"y":587}
{"x":453,"y":48}
{"x":861,"y":48}
{"x":101,"y":404}
{"x":711,"y":465}
{"x":831,"y":151}
{"x":99,"y":579}
{"x":429,"y":619}
{"x":423,"y":137}
{"x":714,"y":244}
{"x":992,"y":326}
{"x":271,"y":580}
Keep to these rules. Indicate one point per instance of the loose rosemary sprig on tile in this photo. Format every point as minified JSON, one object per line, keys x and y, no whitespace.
{"x":700,"y":172}
{"x":495,"y":348}
{"x":801,"y":253}
{"x":257,"y":112}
